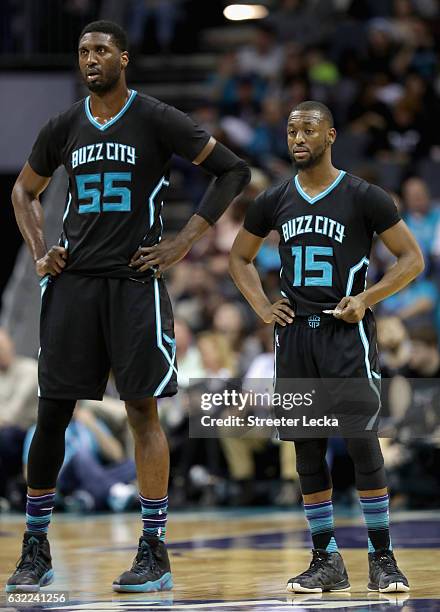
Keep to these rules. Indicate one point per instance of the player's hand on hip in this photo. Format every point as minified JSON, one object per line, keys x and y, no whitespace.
{"x":350,"y":309}
{"x":160,"y":256}
{"x":53,"y":262}
{"x":280,"y":312}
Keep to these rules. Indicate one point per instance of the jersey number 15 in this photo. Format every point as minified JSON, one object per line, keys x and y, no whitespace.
{"x":323,"y":269}
{"x":103,"y":187}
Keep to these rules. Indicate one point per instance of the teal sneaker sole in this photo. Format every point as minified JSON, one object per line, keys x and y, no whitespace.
{"x":45,"y":580}
{"x":165,"y":583}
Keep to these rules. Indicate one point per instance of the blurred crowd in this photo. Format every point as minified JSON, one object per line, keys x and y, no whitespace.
{"x":375,"y":63}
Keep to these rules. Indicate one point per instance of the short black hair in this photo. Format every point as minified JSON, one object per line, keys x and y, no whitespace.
{"x":108,"y":27}
{"x":314,"y":105}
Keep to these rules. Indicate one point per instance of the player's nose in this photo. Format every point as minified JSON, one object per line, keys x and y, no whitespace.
{"x":91,"y":59}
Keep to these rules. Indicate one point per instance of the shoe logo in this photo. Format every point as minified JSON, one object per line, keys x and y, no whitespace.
{"x":314,"y":321}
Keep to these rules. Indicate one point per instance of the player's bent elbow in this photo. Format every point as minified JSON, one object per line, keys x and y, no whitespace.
{"x":243,"y":173}
{"x":419,"y":263}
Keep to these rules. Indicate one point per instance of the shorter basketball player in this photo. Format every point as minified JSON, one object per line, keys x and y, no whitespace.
{"x":326,"y":219}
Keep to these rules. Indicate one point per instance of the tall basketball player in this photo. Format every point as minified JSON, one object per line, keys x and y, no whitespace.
{"x":104,"y":304}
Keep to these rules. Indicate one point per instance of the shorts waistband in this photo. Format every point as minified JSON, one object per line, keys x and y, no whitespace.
{"x":315,"y":321}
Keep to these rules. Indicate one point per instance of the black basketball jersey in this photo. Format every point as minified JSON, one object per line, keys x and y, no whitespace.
{"x":118,"y":173}
{"x":325,"y":241}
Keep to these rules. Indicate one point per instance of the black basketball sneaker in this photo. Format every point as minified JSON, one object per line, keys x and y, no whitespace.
{"x":34,"y":568}
{"x":326,"y":573}
{"x":150,"y":570}
{"x":385,"y":576}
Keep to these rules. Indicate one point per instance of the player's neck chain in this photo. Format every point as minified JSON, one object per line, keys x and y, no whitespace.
{"x":104,"y":120}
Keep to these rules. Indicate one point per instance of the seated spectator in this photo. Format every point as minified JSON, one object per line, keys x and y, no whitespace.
{"x":18,"y":386}
{"x":18,"y":411}
{"x":413,"y":452}
{"x":95,"y":474}
{"x":270,"y":134}
{"x":422,"y":217}
{"x":264,"y":57}
{"x":394,"y":345}
{"x":415,"y":304}
{"x":231,"y":320}
{"x":188,"y":355}
{"x":403,"y":138}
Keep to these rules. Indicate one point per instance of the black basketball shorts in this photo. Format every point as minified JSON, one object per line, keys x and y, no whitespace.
{"x":91,"y":325}
{"x":342,"y":359}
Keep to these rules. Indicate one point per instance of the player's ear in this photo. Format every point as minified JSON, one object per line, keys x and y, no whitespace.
{"x":124,"y":59}
{"x":331,"y":135}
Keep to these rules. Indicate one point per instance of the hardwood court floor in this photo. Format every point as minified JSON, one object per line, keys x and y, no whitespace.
{"x":227,"y":561}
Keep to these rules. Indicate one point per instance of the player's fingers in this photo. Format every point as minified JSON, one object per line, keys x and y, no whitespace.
{"x":54,"y":269}
{"x":60,"y":251}
{"x":287,"y":309}
{"x":279,"y":320}
{"x":151,"y":259}
{"x":146,"y":267}
{"x":58,"y":259}
{"x":283,"y":315}
{"x":138,"y":254}
{"x":343,"y":303}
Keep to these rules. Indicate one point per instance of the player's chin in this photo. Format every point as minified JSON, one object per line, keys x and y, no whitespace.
{"x":97,"y":86}
{"x":303,"y":162}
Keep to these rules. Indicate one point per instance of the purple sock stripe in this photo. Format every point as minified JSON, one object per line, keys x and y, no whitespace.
{"x":376,"y":511}
{"x":40,"y":507}
{"x":374,"y":499}
{"x":41,"y":498}
{"x":154,"y":501}
{"x":320,"y":505}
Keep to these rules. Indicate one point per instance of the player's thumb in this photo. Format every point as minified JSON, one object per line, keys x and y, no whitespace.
{"x":343,"y":304}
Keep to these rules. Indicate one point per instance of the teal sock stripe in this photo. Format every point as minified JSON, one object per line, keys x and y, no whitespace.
{"x":376,"y":515}
{"x":320,"y":519}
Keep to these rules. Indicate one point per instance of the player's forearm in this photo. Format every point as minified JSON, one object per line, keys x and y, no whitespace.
{"x":193,"y":230}
{"x":246,"y":277}
{"x":229,"y":183}
{"x":30,"y":220}
{"x":407,"y":267}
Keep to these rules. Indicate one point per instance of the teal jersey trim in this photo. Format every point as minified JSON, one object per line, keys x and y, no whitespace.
{"x":363,"y":262}
{"x":321,"y":195}
{"x":104,"y":126}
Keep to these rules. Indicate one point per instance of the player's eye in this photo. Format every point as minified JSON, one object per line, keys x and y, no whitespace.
{"x":308,"y":132}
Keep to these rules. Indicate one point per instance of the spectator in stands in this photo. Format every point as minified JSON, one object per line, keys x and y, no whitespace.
{"x":422,"y":217}
{"x":18,"y":386}
{"x":18,"y":410}
{"x":394,"y":345}
{"x":268,"y":140}
{"x":403,"y":138}
{"x":264,"y":57}
{"x":95,"y":474}
{"x":187,"y":354}
{"x":415,"y":305}
{"x":413,"y":453}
